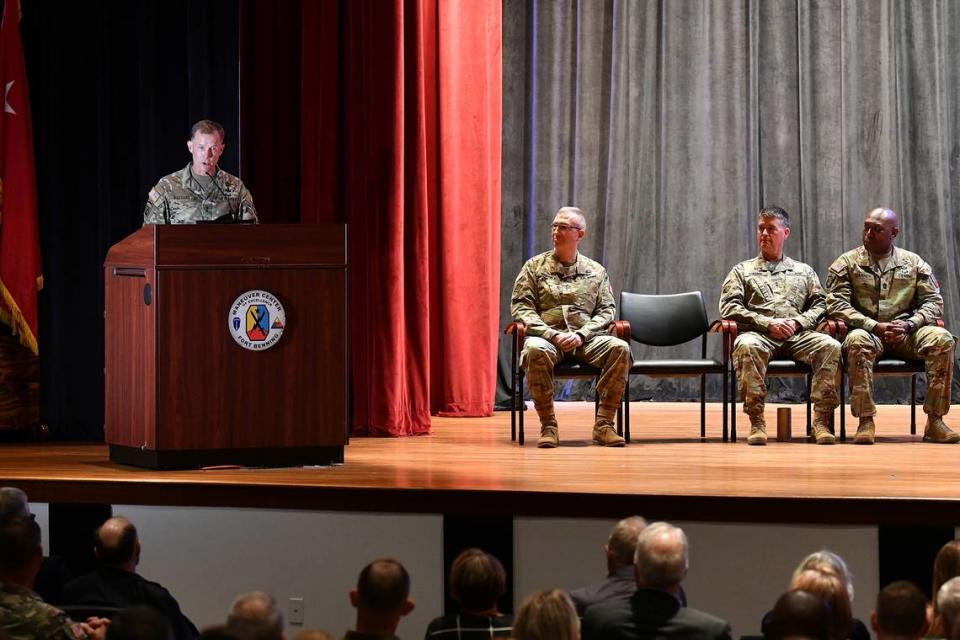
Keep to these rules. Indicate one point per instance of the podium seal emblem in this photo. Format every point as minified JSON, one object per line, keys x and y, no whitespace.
{"x":256,"y":320}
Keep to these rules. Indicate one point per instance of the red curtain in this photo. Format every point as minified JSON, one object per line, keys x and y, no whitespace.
{"x":401,"y":104}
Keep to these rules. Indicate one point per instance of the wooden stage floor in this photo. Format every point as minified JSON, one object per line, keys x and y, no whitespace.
{"x":470,"y":466}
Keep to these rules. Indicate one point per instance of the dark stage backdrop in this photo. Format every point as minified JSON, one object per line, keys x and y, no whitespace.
{"x":114,"y":88}
{"x":671,"y":123}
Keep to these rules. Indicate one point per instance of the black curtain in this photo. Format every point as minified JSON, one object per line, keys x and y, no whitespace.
{"x":114,"y":89}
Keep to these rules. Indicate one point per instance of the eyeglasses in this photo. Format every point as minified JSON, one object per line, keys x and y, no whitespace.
{"x":564,"y":227}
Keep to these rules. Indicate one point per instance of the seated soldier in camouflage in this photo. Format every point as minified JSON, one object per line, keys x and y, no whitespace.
{"x":777,"y":302}
{"x":891,"y":301}
{"x":201,"y":191}
{"x":565,"y":301}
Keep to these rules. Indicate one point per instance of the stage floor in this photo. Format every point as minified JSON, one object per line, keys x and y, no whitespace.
{"x":470,"y":466}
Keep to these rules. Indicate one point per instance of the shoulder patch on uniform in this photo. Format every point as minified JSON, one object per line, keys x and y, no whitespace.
{"x":153,"y":196}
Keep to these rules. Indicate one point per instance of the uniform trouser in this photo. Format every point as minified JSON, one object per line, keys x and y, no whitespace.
{"x":933,"y":345}
{"x":609,"y":354}
{"x":752,"y":351}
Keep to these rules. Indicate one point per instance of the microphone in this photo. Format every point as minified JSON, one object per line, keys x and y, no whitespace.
{"x":234,"y":214}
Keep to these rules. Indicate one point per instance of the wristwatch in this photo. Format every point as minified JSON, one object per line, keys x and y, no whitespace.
{"x":911,"y":326}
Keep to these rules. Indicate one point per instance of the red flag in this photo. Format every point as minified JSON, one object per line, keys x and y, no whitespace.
{"x":20,"y":270}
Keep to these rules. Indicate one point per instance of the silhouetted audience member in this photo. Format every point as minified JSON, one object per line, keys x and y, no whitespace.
{"x":799,"y":614}
{"x":477,"y":580}
{"x":381,"y":598}
{"x":653,"y":611}
{"x":948,"y":607}
{"x":256,"y":616}
{"x":313,"y":634}
{"x":547,"y":615}
{"x":901,"y":612}
{"x":22,"y":613}
{"x":219,"y":632}
{"x":116,"y":583}
{"x":139,"y":623}
{"x":945,"y":567}
{"x":13,"y":503}
{"x":828,"y":585}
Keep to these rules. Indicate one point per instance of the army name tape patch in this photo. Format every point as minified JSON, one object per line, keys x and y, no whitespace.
{"x":256,"y":320}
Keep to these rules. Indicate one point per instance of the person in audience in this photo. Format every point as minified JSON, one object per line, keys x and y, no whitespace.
{"x":22,"y":613}
{"x":661,"y":562}
{"x":947,"y":609}
{"x":116,"y":583}
{"x":477,"y":580}
{"x":219,"y":632}
{"x":777,"y":303}
{"x":139,"y":623}
{"x":901,"y":613}
{"x":381,"y":598}
{"x":256,"y":616}
{"x":829,"y":586}
{"x":564,"y":300}
{"x":946,"y":566}
{"x":13,"y":503}
{"x":890,"y":300}
{"x":547,"y":615}
{"x":798,"y":614}
{"x":619,"y":550}
{"x":313,"y":634}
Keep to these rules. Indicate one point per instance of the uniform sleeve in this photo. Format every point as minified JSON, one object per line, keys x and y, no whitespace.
{"x":523,"y":305}
{"x":840,"y":297}
{"x":929,"y":302}
{"x":157,"y":209}
{"x":733,"y":302}
{"x":247,"y":210}
{"x":604,"y":312}
{"x":816,"y":304}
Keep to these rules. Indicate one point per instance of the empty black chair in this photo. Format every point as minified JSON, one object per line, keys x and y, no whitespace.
{"x":669,"y":320}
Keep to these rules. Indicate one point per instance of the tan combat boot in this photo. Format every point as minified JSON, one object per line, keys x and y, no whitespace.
{"x":605,"y":435}
{"x":866,"y":431}
{"x":937,"y":431}
{"x":821,"y":429}
{"x":758,"y":431}
{"x":549,"y":436}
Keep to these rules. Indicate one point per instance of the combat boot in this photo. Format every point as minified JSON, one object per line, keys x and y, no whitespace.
{"x":549,"y":436}
{"x":821,"y":429}
{"x":866,"y":431}
{"x":758,"y":431}
{"x":605,"y":435}
{"x":937,"y":431}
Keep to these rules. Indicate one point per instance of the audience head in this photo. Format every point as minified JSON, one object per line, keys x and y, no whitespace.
{"x":139,"y":623}
{"x":256,"y":616}
{"x":13,"y":503}
{"x":661,"y":560}
{"x":828,"y":561}
{"x":945,"y":566}
{"x":548,"y":615}
{"x":219,"y":632}
{"x":116,"y":544}
{"x":828,"y":585}
{"x":382,"y":596}
{"x":901,"y":612}
{"x":313,"y":634}
{"x":799,"y":614}
{"x":20,"y":551}
{"x":477,"y":580}
{"x":622,"y":543}
{"x":947,"y":605}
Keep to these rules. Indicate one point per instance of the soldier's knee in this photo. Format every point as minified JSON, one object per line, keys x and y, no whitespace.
{"x":620,"y":349}
{"x":859,"y":340}
{"x":747,"y":346}
{"x":940,"y":340}
{"x":537,"y":350}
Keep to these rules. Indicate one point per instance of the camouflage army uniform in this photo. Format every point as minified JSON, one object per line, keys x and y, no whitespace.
{"x":862,"y":295}
{"x":753,"y":296}
{"x":24,"y":616}
{"x":179,"y":198}
{"x":550,"y":298}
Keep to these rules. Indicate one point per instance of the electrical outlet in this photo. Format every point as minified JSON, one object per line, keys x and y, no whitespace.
{"x":295,"y":611}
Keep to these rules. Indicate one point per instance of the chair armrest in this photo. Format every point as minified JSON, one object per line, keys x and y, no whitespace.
{"x":728,"y":329}
{"x":516,"y":329}
{"x":621,"y":329}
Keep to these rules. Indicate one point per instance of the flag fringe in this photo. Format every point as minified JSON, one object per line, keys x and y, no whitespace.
{"x":12,"y":317}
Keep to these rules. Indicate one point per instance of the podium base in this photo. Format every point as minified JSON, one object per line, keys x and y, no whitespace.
{"x":199,"y":458}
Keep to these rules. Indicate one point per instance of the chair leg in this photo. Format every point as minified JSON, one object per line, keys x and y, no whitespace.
{"x":809,"y":424}
{"x":703,"y":406}
{"x":522,"y":408}
{"x":843,"y":403}
{"x":725,"y":402}
{"x":513,"y":407}
{"x":913,"y":405}
{"x":733,"y":404}
{"x":626,"y":411}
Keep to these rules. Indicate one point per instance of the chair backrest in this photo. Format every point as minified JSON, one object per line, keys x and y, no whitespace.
{"x":664,"y":320}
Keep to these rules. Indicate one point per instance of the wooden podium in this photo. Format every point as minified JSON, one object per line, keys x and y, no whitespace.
{"x":181,"y":390}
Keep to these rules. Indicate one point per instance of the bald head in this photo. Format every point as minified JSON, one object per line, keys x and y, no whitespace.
{"x":255,"y":615}
{"x":13,"y":503}
{"x":880,"y":228}
{"x":661,"y":559}
{"x":116,"y":545}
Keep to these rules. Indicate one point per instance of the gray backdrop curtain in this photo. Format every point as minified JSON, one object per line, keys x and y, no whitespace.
{"x":672,"y":122}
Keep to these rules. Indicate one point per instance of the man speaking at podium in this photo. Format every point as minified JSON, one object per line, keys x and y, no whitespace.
{"x":201,"y":191}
